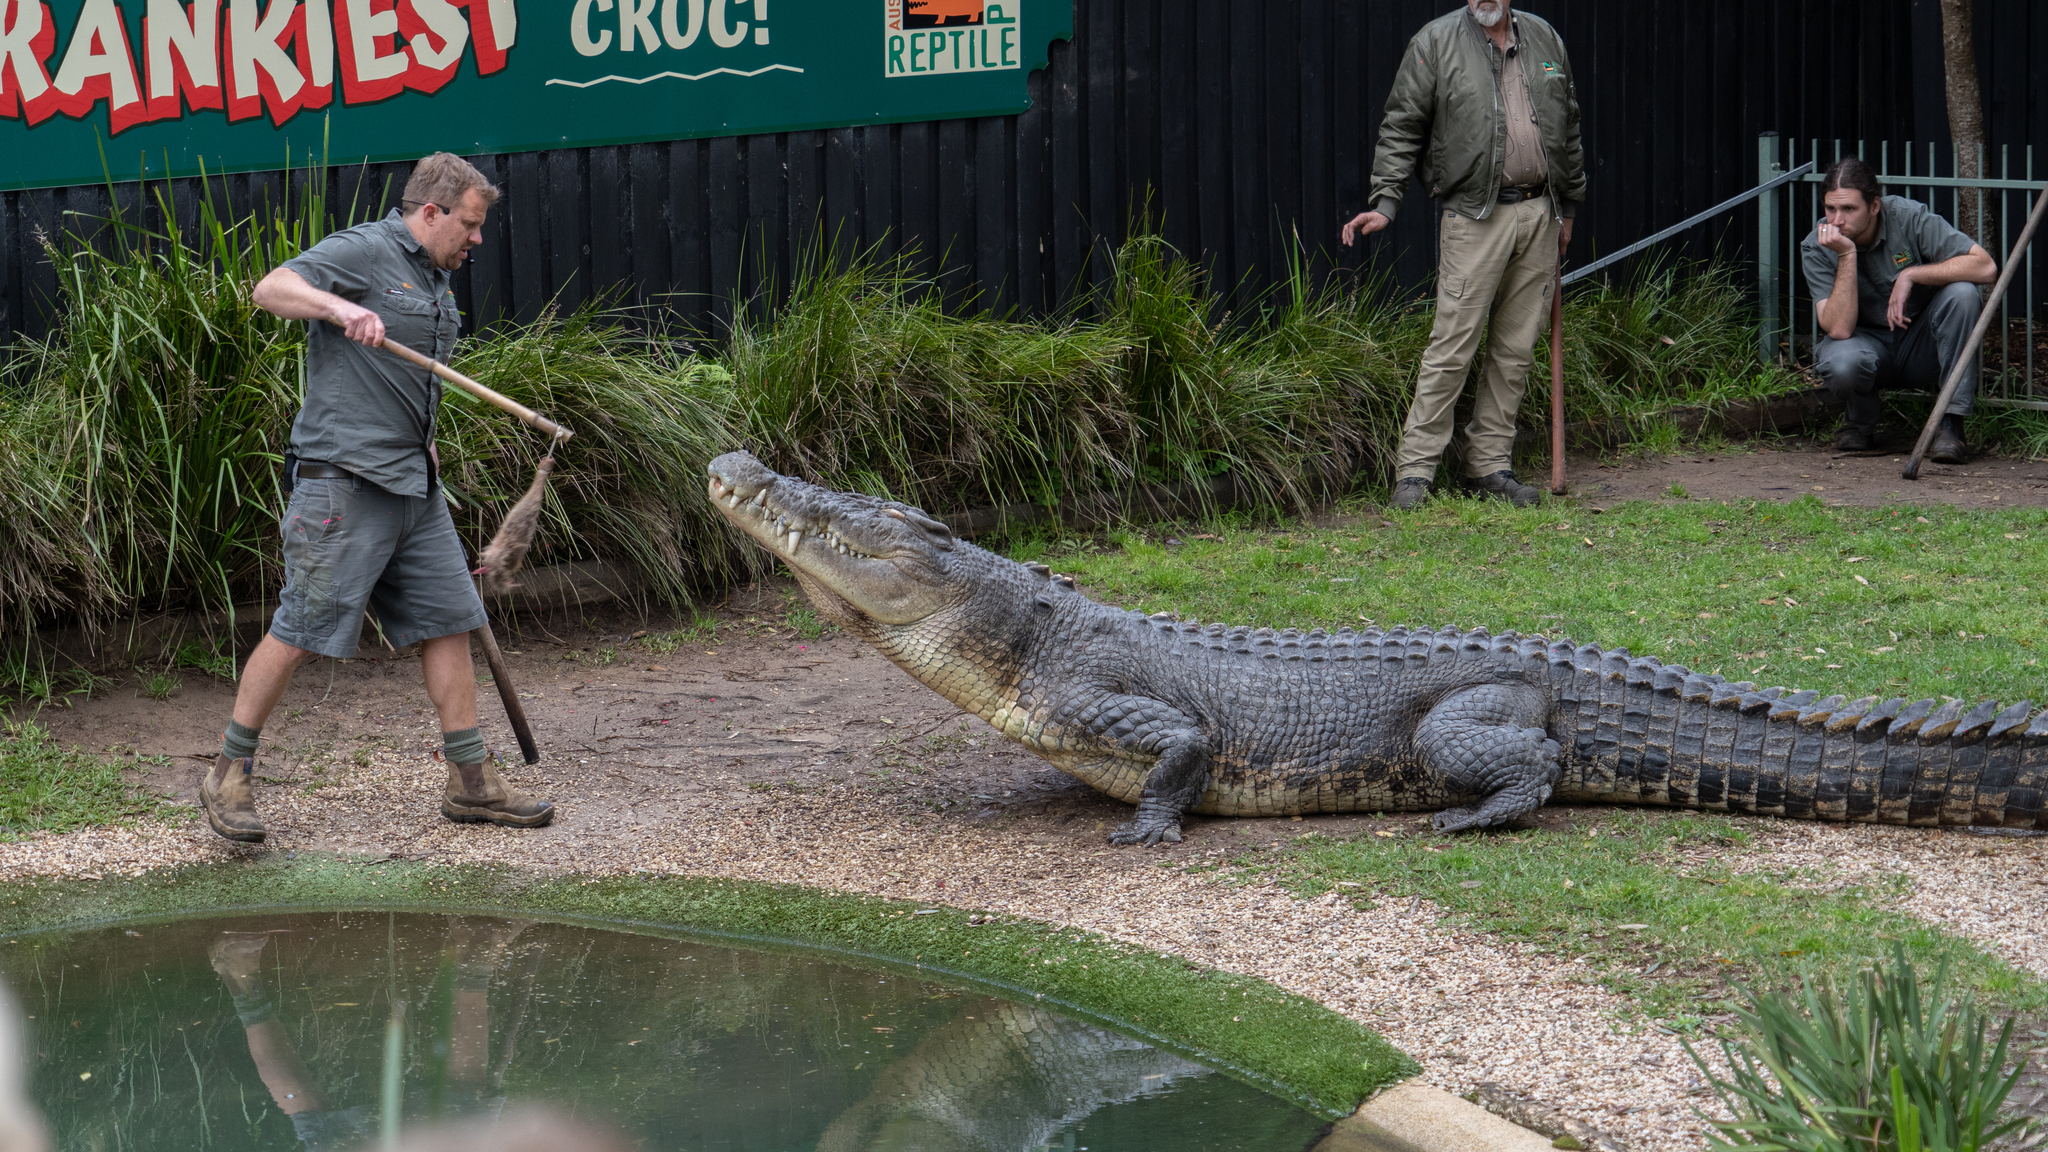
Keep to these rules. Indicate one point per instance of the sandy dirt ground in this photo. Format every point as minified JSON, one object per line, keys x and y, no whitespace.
{"x":756,"y":751}
{"x":1789,"y":472}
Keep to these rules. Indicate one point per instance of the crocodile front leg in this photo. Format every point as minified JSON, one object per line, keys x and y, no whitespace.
{"x":1489,"y":739}
{"x":1148,"y":727}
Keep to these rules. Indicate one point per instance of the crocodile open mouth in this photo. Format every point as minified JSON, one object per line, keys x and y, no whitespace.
{"x":775,"y":524}
{"x":856,"y":555}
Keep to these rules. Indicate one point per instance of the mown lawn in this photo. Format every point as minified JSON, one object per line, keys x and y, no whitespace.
{"x":1901,"y":601}
{"x":45,"y":787}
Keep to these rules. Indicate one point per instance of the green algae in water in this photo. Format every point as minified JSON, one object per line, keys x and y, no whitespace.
{"x":271,"y":1032}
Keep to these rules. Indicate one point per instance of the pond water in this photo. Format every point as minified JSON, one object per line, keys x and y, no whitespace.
{"x":277,"y":1031}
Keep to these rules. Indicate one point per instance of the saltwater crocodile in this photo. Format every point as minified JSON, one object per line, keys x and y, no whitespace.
{"x":1179,"y":717}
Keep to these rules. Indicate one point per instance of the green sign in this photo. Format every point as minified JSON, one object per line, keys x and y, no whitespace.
{"x":160,"y":88}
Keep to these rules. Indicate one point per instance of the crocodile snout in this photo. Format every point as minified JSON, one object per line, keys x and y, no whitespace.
{"x":739,"y":473}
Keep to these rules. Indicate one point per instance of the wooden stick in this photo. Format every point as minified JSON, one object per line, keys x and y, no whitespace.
{"x":510,"y":695}
{"x":1976,"y":343}
{"x":529,"y":416}
{"x":1557,"y":381}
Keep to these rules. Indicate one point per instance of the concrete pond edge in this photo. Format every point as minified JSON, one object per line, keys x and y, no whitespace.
{"x":1246,"y":1027}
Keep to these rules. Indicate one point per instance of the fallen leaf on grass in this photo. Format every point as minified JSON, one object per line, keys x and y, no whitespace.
{"x":1862,"y":581}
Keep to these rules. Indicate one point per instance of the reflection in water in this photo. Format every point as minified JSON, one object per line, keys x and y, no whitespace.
{"x":21,"y":1126}
{"x":329,"y":1032}
{"x":473,"y":951}
{"x":1001,"y":1076}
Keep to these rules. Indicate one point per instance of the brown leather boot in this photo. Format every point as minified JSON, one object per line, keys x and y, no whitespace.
{"x":228,"y":792}
{"x":477,"y":794}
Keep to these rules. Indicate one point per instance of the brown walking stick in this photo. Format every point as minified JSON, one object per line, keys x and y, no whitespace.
{"x":1557,"y":380}
{"x":1955,"y":375}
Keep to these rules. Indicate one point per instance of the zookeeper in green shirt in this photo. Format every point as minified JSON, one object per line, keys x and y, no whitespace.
{"x":367,"y":526}
{"x":1895,"y":292}
{"x":1483,"y":109}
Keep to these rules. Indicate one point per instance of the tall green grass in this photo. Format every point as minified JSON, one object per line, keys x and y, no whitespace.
{"x":143,"y":436}
{"x":1663,"y":336}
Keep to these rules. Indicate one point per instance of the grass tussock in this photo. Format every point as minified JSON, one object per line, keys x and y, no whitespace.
{"x":1876,"y":1061}
{"x":1664,"y":337}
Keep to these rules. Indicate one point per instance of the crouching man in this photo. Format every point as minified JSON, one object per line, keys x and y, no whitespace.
{"x":1895,"y":291}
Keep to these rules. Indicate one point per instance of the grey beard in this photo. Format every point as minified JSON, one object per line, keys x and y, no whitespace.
{"x":1487,"y":19}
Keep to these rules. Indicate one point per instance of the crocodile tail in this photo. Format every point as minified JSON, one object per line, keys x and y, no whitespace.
{"x":1640,"y":732}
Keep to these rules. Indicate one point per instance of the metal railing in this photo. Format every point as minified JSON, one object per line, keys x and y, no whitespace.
{"x":1785,"y":218}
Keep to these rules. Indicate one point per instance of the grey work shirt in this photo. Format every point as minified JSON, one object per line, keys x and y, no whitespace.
{"x":1908,"y":233}
{"x":367,"y":410}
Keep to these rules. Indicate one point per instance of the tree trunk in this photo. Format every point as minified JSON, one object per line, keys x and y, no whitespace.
{"x":1966,"y":121}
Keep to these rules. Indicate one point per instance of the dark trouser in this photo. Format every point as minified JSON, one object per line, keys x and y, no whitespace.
{"x":1920,"y":355}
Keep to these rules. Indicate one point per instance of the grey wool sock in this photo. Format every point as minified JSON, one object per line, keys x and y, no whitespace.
{"x":239,"y":742}
{"x":464,"y":747}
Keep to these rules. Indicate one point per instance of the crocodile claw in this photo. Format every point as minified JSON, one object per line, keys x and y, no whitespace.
{"x":1142,"y":831}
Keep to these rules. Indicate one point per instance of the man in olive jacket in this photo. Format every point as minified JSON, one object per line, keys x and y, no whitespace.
{"x":1484,"y":103}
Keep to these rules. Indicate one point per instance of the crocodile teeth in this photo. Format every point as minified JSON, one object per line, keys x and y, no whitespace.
{"x":796,"y":536}
{"x":732,"y":500}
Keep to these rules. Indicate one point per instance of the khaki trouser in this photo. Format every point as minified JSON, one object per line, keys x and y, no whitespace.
{"x":1498,"y":269}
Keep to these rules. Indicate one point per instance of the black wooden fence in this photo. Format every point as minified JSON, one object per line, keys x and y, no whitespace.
{"x":1244,"y":127}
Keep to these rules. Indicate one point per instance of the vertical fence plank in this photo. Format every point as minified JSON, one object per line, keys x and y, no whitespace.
{"x":1068,"y":229}
{"x":726,"y":212}
{"x":568,"y":249}
{"x":994,"y":272}
{"x":648,"y":229}
{"x":480,"y":285}
{"x":954,"y":195}
{"x":610,"y":263}
{"x":806,"y":160}
{"x":525,"y":214}
{"x":880,"y":192}
{"x":917,"y":187}
{"x":10,"y":266}
{"x":690,"y":287}
{"x":843,"y":216}
{"x":1108,"y":197}
{"x":1213,"y":184}
{"x":1249,"y":166}
{"x":1032,"y":222}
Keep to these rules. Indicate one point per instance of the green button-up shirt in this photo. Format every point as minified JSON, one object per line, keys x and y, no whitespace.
{"x":1908,"y":233}
{"x":367,"y":410}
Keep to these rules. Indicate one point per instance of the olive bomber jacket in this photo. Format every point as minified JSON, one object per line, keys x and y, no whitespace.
{"x":1445,"y":111}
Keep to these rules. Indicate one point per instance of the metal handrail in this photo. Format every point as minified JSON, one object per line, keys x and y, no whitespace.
{"x":1682,"y":225}
{"x":1908,"y":180}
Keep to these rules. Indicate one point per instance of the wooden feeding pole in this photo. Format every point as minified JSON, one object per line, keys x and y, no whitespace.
{"x":1557,"y":380}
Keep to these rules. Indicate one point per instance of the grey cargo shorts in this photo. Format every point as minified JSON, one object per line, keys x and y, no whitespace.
{"x":350,"y":545}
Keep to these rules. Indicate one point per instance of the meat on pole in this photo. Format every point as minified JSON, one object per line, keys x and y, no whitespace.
{"x":1976,"y":341}
{"x":507,"y":550}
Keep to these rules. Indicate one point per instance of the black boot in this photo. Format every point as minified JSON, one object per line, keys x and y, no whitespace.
{"x":1409,"y":494}
{"x":1502,"y":484}
{"x":1947,"y":447}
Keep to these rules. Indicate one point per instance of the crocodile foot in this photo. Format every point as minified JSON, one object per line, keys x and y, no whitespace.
{"x":1147,"y":829}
